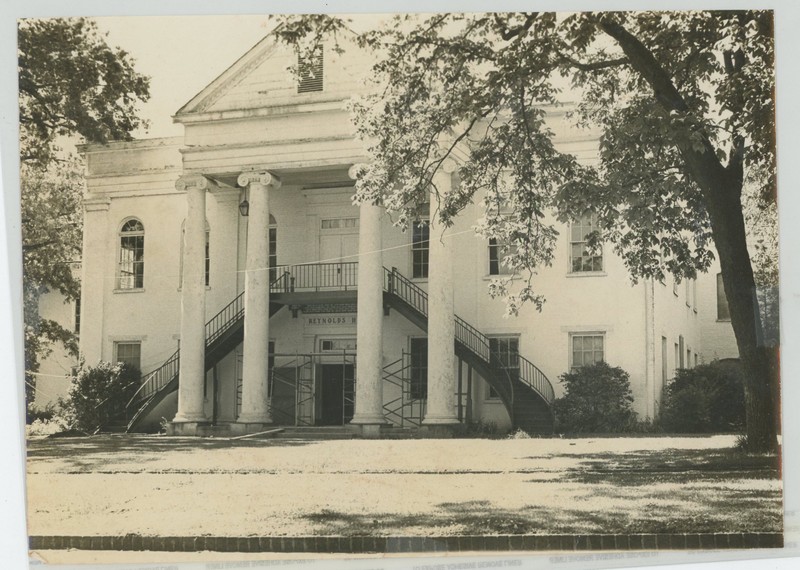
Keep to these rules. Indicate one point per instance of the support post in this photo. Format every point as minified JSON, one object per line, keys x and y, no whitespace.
{"x":255,"y":366}
{"x":441,"y":319}
{"x":191,"y":372}
{"x":368,"y":414}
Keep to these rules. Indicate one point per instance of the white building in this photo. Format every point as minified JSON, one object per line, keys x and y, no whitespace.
{"x":338,"y":302}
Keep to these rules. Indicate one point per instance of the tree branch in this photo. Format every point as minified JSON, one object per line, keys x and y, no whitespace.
{"x":595,"y":65}
{"x":510,"y":33}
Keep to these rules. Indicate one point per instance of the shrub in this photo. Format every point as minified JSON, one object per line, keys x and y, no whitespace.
{"x":597,"y":399}
{"x":706,"y":398}
{"x":100,"y":393}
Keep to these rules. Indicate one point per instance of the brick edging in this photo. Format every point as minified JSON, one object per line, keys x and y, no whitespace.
{"x":410,"y":544}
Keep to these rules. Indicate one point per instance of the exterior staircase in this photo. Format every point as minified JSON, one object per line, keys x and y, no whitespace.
{"x":526,"y":392}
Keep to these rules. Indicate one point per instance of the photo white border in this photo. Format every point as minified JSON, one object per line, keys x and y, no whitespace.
{"x":13,"y":535}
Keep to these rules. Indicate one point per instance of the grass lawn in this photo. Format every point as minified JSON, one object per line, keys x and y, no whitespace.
{"x":184,"y":487}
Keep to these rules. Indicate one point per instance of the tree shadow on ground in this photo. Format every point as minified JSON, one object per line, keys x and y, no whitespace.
{"x":96,"y":452}
{"x":644,"y":467}
{"x":484,"y":518}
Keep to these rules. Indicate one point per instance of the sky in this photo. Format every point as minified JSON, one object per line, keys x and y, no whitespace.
{"x":181,"y":55}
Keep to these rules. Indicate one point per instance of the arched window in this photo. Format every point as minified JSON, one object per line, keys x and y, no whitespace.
{"x":131,"y":255}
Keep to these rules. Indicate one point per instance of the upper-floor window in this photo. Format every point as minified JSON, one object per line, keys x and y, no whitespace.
{"x":310,"y":70}
{"x":77,"y":327}
{"x":584,"y":258}
{"x":273,"y":248}
{"x":498,"y":250}
{"x":420,"y":243}
{"x":131,"y":255}
{"x":723,"y":312}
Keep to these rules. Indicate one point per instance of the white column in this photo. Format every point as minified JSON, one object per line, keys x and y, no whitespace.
{"x":440,"y":408}
{"x":193,"y":302}
{"x":369,"y":369}
{"x":255,"y":362}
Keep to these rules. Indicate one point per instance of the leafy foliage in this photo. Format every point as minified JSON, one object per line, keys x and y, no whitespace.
{"x":71,"y":84}
{"x":490,"y":80}
{"x":597,"y":399}
{"x":683,"y":106}
{"x":707,"y":398}
{"x":98,"y":393}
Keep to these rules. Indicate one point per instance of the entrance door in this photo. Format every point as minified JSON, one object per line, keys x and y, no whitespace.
{"x":335,"y":381}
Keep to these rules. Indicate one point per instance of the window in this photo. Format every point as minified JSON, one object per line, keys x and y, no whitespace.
{"x":583,"y":258}
{"x":681,"y":351}
{"x":677,"y":357}
{"x":419,"y":368}
{"x":688,"y":358}
{"x":339,"y":223}
{"x":310,"y":69}
{"x":420,"y":242}
{"x":688,"y":292}
{"x":337,"y":345}
{"x":664,"y":361}
{"x":78,"y":315}
{"x":587,"y":349}
{"x":273,"y":248}
{"x":723,"y":313}
{"x":131,"y":255}
{"x":504,"y":354}
{"x":497,"y":251}
{"x":695,"y":360}
{"x":129,"y":353}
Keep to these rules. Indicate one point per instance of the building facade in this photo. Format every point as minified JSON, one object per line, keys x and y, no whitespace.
{"x":231,"y":266}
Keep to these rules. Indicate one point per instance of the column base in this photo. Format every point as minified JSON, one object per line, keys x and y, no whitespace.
{"x":442,"y":431}
{"x":244,"y":428}
{"x":368,"y":426}
{"x":188,"y":428}
{"x":366,"y":431}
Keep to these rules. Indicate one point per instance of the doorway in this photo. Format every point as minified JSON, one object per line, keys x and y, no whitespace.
{"x":335,"y":394}
{"x":338,"y":248}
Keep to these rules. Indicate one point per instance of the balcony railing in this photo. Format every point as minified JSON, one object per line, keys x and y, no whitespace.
{"x":342,"y":276}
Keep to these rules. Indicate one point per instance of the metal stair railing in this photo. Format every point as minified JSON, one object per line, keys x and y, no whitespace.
{"x":467,"y":335}
{"x":218,"y":325}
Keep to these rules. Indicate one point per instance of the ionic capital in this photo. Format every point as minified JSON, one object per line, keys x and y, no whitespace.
{"x":191,"y":181}
{"x":448,"y":165}
{"x":263,"y":178}
{"x":354,"y":171}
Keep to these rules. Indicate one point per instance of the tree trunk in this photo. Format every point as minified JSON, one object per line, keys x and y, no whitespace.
{"x":759,"y":361}
{"x":722,"y":191}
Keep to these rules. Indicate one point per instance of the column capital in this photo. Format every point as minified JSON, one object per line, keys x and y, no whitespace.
{"x":191,"y":181}
{"x":355,"y":171}
{"x":448,"y":166}
{"x":259,"y":177}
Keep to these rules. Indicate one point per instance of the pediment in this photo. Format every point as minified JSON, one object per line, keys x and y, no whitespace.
{"x":261,"y":78}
